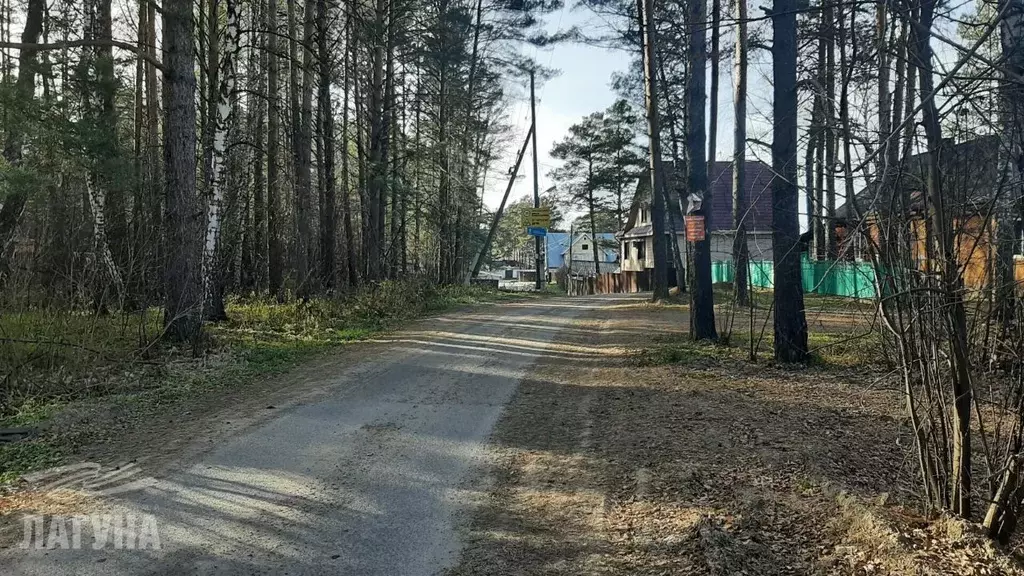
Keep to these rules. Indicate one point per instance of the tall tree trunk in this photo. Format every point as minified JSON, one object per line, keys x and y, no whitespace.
{"x":221,"y":121}
{"x":154,"y":169}
{"x":275,"y":218}
{"x":816,"y":146}
{"x":328,"y":210}
{"x":346,"y":201}
{"x":258,"y":229}
{"x":183,"y":273}
{"x":660,"y":280}
{"x":417,"y":207}
{"x":673,"y":206}
{"x":831,"y":243}
{"x":376,"y":190}
{"x":1011,"y":155}
{"x":447,"y":234}
{"x":740,"y":256}
{"x":294,"y":114}
{"x":702,"y":304}
{"x":388,"y":156}
{"x":591,"y":209}
{"x":303,"y":161}
{"x":101,"y":148}
{"x":24,"y":89}
{"x":790,"y":323}
{"x":716,"y":18}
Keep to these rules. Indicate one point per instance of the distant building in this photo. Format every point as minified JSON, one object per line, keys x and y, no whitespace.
{"x":971,"y":181}
{"x":582,"y":253}
{"x":637,"y":236}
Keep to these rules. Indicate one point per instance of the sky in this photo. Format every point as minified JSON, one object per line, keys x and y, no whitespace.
{"x":583,"y":86}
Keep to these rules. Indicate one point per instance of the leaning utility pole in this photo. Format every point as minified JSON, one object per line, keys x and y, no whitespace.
{"x":536,"y":184}
{"x":660,"y":283}
{"x":501,"y":208}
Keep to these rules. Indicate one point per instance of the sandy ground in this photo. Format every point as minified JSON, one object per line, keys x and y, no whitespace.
{"x":711,"y":467}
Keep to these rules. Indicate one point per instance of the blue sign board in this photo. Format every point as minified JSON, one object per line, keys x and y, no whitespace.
{"x":537,"y":231}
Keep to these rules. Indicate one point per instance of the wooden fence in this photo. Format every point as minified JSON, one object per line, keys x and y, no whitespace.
{"x":608,"y":283}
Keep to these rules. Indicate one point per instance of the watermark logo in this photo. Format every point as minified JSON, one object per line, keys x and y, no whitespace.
{"x":95,"y":531}
{"x":127,"y":531}
{"x":90,"y":478}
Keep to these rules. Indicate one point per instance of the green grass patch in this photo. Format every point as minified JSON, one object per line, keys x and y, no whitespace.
{"x":21,"y":457}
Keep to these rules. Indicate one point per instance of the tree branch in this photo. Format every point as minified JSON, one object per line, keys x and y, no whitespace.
{"x":138,"y":51}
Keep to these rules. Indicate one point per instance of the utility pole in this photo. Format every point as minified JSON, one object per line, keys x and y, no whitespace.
{"x":497,"y":215}
{"x":536,"y":184}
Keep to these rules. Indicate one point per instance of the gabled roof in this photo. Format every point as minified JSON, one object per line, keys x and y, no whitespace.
{"x":759,"y":198}
{"x":970,"y":180}
{"x":608,"y":248}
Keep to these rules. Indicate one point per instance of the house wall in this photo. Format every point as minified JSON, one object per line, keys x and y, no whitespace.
{"x":630,"y":261}
{"x":759,"y":247}
{"x":974,"y":246}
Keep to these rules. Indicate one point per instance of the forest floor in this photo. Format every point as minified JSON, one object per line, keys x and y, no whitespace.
{"x":677,"y":458}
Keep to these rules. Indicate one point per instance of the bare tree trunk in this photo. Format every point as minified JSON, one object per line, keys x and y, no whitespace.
{"x":740,"y":256}
{"x":98,"y":87}
{"x":346,"y":200}
{"x":390,"y":151}
{"x":275,"y":247}
{"x":672,"y":205}
{"x":183,"y":279}
{"x":702,"y":304}
{"x":376,"y":190}
{"x":790,"y":323}
{"x":154,"y":170}
{"x":829,"y":208}
{"x":716,"y":18}
{"x":660,"y":280}
{"x":328,"y":210}
{"x":591,"y":208}
{"x":213,"y":276}
{"x":303,"y":160}
{"x":257,"y":63}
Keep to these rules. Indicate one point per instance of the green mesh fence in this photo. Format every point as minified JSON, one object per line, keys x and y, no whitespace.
{"x":829,"y":277}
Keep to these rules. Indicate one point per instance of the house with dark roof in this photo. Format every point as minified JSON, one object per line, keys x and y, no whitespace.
{"x":970,"y":184}
{"x":637,"y":237}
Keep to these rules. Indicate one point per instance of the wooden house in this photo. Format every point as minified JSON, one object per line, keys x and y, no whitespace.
{"x":637,"y":237}
{"x":970,"y":185}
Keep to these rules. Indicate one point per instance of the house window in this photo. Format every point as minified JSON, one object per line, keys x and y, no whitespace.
{"x":585,"y":247}
{"x":641,"y":249}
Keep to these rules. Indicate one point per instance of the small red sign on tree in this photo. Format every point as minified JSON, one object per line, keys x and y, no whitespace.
{"x":694,"y":228}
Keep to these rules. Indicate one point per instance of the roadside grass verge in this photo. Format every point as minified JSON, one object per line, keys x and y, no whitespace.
{"x":118,"y":366}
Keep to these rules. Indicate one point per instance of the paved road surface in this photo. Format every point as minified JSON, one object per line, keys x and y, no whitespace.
{"x":368,"y":480}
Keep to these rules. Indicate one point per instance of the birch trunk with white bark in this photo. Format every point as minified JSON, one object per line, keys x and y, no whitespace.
{"x":222,"y":124}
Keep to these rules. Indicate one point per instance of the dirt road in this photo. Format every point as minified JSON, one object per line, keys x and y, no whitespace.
{"x":371,"y":476}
